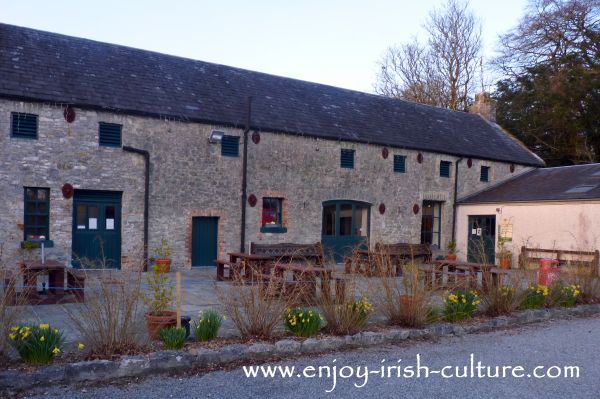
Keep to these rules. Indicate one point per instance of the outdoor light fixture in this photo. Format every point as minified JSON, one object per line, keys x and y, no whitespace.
{"x":215,"y":137}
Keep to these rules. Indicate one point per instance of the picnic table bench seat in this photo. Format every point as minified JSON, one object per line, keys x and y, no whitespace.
{"x":287,"y":252}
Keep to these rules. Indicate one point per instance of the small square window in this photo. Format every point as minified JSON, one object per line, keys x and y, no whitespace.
{"x":37,"y":213}
{"x":24,"y":125}
{"x":445,"y":168}
{"x":272,"y":216}
{"x":109,"y":134}
{"x":230,"y":146}
{"x":485,"y":174}
{"x":399,"y":163}
{"x":347,"y":158}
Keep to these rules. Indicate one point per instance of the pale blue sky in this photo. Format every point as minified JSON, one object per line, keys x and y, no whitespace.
{"x":335,"y":42}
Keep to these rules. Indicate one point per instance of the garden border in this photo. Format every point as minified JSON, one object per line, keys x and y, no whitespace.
{"x":178,"y":361}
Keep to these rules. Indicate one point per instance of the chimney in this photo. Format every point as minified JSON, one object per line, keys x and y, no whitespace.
{"x":484,"y":106}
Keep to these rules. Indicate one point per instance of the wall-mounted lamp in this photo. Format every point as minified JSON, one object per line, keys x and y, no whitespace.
{"x":499,"y":211}
{"x":215,"y":137}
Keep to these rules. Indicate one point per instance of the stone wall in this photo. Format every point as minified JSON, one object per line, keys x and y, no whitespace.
{"x":189,"y":178}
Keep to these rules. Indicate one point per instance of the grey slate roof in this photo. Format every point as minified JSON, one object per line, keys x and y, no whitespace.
{"x":42,"y":66}
{"x":564,"y":183}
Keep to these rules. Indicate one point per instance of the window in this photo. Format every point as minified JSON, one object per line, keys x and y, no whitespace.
{"x":37,"y":210}
{"x":272,"y":216}
{"x":445,"y":168}
{"x":347,"y":158}
{"x":230,"y":146}
{"x":430,"y":223}
{"x":109,"y":134}
{"x":485,"y":173}
{"x":399,"y":163}
{"x":24,"y":125}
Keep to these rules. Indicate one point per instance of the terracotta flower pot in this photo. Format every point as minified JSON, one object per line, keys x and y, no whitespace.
{"x":505,"y":263}
{"x":451,"y":257}
{"x":163,"y":265}
{"x":156,"y":322}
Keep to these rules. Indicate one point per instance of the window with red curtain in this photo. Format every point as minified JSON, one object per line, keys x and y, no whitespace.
{"x":271,"y":212}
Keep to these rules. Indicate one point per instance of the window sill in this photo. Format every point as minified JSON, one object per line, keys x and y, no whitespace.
{"x":47,"y":244}
{"x":273,"y":229}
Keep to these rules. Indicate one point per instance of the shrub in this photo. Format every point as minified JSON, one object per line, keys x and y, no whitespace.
{"x":173,"y":337}
{"x":534,"y":297}
{"x":36,"y":344}
{"x":499,"y":300}
{"x":564,"y":295}
{"x":302,"y":322}
{"x":460,"y":305}
{"x":207,"y":326}
{"x":160,"y":296}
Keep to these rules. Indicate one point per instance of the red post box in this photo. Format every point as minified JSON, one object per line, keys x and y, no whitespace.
{"x":549,"y":271}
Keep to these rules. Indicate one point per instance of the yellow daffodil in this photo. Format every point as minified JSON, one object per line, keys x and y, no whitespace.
{"x":44,"y":326}
{"x":80,"y":346}
{"x":56,"y":351}
{"x":42,"y":338}
{"x":12,"y":336}
{"x":16,"y":328}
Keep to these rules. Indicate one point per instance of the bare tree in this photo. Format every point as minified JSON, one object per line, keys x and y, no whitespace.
{"x":550,"y":31}
{"x":442,"y":72}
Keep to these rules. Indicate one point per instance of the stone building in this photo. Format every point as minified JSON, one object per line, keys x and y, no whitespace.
{"x":105,"y":148}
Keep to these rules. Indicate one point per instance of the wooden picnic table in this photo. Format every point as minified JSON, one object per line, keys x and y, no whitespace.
{"x":250,"y":263}
{"x":55,"y":292}
{"x":305,"y":277}
{"x":367,"y":262}
{"x":464,"y":272}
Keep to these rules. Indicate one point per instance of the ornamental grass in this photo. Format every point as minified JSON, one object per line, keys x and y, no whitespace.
{"x":172,"y":338}
{"x":36,"y":344}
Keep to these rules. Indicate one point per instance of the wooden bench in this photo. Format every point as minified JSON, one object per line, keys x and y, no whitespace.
{"x":234,"y":270}
{"x":529,"y":258}
{"x":406,"y":251}
{"x":287,"y":252}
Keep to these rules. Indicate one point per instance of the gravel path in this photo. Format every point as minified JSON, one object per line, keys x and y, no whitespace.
{"x":561,"y":343}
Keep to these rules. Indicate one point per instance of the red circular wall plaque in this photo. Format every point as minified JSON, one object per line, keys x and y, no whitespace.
{"x":420,"y":158}
{"x":67,"y":190}
{"x":69,"y":114}
{"x":385,"y":153}
{"x":416,"y":209}
{"x":252,"y":200}
{"x":382,"y":208}
{"x":469,"y":162}
{"x":256,"y":137}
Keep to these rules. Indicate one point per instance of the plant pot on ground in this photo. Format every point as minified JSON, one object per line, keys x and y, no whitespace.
{"x":158,"y":299}
{"x":504,"y":255}
{"x":162,"y":260}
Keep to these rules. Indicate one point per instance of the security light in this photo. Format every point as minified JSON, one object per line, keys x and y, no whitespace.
{"x":215,"y":137}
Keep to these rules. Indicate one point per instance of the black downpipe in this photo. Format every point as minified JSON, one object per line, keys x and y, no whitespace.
{"x":244,"y":175}
{"x":146,"y":156}
{"x":455,"y":196}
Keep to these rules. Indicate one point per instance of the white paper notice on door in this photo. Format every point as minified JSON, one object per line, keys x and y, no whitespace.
{"x":110,"y":224}
{"x":479,"y":231}
{"x":92,"y":223}
{"x":474,"y":231}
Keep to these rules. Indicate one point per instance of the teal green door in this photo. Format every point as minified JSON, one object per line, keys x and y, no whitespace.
{"x":96,"y":229}
{"x":346,"y":226}
{"x":482,"y":239}
{"x":205,"y":231}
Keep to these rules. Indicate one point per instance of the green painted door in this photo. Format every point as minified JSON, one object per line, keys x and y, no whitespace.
{"x":96,"y":229}
{"x":482,"y":239}
{"x":346,"y":226}
{"x":205,"y":231}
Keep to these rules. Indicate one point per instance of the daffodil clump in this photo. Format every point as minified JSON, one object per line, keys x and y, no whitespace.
{"x":535,"y":297}
{"x":566,"y":295}
{"x":208,"y":324}
{"x":172,"y":337}
{"x":302,"y":322}
{"x":36,"y":344}
{"x":459,"y":305}
{"x":362,"y":309}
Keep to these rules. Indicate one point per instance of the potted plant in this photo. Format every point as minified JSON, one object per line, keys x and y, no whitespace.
{"x":163,"y":257}
{"x":504,"y":255}
{"x":159,"y":298}
{"x":451,"y":247}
